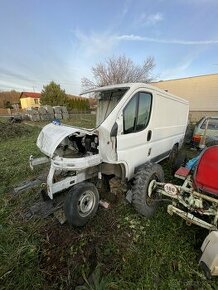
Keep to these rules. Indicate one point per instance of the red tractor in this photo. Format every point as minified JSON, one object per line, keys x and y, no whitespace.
{"x":196,"y":200}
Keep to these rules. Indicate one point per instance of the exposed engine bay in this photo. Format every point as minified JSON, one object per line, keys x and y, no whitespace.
{"x":66,"y":141}
{"x":78,"y":145}
{"x":72,"y":152}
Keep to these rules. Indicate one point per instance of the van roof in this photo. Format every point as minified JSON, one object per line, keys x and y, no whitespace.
{"x":107,"y":88}
{"x":132,"y":86}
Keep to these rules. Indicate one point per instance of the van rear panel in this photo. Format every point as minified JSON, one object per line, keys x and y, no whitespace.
{"x":169,"y":121}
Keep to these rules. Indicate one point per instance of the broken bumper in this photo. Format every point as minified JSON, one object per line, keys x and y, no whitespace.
{"x":78,"y":166}
{"x":37,"y":161}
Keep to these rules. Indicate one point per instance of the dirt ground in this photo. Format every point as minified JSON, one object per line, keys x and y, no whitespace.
{"x":69,"y":254}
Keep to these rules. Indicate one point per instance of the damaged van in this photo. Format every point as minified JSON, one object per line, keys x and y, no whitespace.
{"x":136,"y":123}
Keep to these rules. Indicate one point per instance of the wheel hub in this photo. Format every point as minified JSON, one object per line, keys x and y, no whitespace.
{"x":151,"y":187}
{"x":150,"y":200}
{"x":86,"y":203}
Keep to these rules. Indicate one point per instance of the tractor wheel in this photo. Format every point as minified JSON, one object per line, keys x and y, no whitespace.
{"x":144,"y":202}
{"x":81,"y":203}
{"x":179,"y":161}
{"x":173,"y":154}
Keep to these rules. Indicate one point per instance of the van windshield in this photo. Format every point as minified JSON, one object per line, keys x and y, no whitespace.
{"x":107,"y":101}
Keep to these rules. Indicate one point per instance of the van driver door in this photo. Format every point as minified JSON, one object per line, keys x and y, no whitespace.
{"x":135,"y":132}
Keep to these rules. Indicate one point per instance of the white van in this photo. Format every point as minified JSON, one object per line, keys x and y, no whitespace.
{"x":136,"y":123}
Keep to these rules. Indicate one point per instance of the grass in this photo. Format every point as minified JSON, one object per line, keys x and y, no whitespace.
{"x":80,"y":120}
{"x":117,"y":249}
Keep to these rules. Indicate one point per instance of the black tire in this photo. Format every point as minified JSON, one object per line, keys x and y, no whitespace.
{"x":179,"y":161}
{"x":188,"y":134}
{"x":44,"y":195}
{"x":81,"y":203}
{"x":206,"y":270}
{"x":141,"y":201}
{"x":173,"y":154}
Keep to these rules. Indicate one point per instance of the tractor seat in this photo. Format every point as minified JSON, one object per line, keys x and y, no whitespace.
{"x":206,"y":173}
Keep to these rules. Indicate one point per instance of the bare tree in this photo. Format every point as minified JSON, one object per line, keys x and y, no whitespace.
{"x":117,"y":70}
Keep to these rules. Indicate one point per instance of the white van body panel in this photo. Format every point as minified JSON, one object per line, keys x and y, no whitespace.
{"x":168,"y":121}
{"x":165,"y":120}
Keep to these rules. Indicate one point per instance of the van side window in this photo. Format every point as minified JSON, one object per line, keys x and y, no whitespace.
{"x":144,"y":108}
{"x":129,"y":115}
{"x":137,"y":113}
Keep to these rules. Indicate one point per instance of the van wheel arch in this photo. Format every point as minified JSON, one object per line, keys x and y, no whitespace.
{"x":118,"y":170}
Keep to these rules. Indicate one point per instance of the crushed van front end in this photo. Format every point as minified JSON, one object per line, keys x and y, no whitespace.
{"x":73,"y":153}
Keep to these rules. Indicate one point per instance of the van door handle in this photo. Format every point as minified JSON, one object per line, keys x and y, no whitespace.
{"x":149,"y":135}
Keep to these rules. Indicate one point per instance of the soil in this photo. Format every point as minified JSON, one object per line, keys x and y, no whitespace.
{"x":67,"y":252}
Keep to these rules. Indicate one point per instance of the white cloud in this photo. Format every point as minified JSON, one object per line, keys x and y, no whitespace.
{"x":95,"y":44}
{"x":180,"y":69}
{"x":99,"y":45}
{"x":125,"y":8}
{"x":200,"y":1}
{"x":92,"y":47}
{"x":155,"y":18}
{"x":150,"y":19}
{"x":15,"y":85}
{"x":133,"y":37}
{"x":177,"y":70}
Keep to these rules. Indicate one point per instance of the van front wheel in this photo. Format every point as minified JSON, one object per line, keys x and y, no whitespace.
{"x":81,"y":203}
{"x":143,"y":202}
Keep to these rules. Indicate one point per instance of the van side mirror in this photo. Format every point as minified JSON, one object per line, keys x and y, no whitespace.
{"x":114,"y":130}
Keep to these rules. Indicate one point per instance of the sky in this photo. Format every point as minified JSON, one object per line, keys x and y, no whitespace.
{"x":61,"y":40}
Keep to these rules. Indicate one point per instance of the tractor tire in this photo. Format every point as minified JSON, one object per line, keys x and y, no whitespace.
{"x":81,"y":203}
{"x":143,"y":203}
{"x":179,"y":161}
{"x":173,"y":154}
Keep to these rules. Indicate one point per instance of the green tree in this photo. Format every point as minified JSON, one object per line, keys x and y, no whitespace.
{"x":53,"y":95}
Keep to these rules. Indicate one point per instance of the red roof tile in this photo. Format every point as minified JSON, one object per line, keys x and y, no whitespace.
{"x":30,"y":95}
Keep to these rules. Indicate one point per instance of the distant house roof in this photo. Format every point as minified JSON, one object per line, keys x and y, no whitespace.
{"x":30,"y":95}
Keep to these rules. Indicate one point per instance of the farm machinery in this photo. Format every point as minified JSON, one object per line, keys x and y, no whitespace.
{"x":196,"y":200}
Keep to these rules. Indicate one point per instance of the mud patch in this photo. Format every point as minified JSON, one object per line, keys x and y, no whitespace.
{"x":69,"y":253}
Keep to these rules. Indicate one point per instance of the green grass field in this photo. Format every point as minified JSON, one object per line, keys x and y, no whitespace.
{"x":118,"y":248}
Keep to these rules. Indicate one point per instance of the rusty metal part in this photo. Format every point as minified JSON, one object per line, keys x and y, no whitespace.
{"x":184,"y":188}
{"x":190,"y":199}
{"x":190,"y":218}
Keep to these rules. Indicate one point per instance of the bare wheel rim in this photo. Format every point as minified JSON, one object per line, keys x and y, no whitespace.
{"x":86,"y":203}
{"x":151,"y":197}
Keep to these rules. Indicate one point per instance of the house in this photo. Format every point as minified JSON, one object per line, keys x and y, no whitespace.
{"x":30,"y":100}
{"x":200,"y":91}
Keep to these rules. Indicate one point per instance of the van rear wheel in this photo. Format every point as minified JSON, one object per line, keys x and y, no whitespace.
{"x":81,"y":203}
{"x":179,"y":161}
{"x":173,"y":154}
{"x":143,"y":202}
